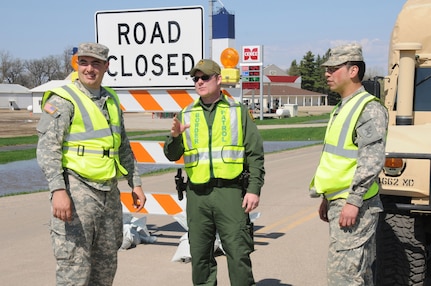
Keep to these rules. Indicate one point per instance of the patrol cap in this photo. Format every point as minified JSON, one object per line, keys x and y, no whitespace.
{"x":94,"y":50}
{"x":345,"y":53}
{"x":208,"y":67}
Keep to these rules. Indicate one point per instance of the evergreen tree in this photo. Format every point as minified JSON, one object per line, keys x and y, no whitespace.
{"x":313,"y":76}
{"x":294,"y":69}
{"x":319,"y":75}
{"x":307,"y":71}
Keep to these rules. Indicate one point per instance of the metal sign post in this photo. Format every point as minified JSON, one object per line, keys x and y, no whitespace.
{"x":252,"y":72}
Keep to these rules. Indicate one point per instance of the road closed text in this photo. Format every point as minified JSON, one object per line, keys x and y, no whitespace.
{"x":157,"y":64}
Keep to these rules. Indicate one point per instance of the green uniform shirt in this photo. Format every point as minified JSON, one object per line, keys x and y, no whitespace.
{"x":253,"y":144}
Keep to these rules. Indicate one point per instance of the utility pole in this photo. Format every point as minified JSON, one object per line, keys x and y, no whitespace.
{"x":210,"y":28}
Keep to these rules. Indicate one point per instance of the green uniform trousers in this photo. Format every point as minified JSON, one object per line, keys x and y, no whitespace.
{"x":219,"y":210}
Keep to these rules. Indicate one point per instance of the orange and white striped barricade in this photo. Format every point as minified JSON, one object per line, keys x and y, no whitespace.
{"x":162,"y":100}
{"x":151,"y":152}
{"x":158,"y":100}
{"x":157,"y":203}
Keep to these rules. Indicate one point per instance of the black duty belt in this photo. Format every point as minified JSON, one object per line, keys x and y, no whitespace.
{"x":215,"y":183}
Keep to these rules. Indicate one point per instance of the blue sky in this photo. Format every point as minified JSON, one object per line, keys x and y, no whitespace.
{"x":287,"y":29}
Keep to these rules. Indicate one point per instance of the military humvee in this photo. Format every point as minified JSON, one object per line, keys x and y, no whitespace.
{"x":404,"y":231}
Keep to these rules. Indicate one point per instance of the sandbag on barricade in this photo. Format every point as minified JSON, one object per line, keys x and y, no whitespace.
{"x":135,"y":232}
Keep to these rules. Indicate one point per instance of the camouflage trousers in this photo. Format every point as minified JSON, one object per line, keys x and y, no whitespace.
{"x":352,"y":251}
{"x":86,"y":248}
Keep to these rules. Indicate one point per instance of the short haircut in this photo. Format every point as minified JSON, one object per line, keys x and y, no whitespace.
{"x":361,"y":67}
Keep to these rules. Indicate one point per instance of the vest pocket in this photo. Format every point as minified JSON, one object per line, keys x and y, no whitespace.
{"x":233,"y":154}
{"x":191,"y":158}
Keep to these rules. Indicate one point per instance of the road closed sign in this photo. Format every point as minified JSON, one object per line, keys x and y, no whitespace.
{"x":153,"y":48}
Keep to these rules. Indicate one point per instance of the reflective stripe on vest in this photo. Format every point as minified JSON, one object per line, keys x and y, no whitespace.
{"x":91,"y":146}
{"x":215,"y":151}
{"x":338,"y":162}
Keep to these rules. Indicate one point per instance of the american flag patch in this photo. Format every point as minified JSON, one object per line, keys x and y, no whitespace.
{"x":49,"y":108}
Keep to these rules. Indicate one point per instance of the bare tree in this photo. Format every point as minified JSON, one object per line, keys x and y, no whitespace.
{"x":59,"y":67}
{"x":37,"y":72}
{"x":66,"y":61}
{"x":5,"y":65}
{"x":31,"y":73}
{"x":53,"y":67}
{"x":15,"y":72}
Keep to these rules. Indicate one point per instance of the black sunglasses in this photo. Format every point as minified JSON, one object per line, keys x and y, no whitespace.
{"x":334,"y":68}
{"x":204,"y":77}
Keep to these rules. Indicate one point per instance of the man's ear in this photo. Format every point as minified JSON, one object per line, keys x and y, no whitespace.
{"x":353,"y":71}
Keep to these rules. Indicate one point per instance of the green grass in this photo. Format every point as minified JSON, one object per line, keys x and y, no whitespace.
{"x":293,"y":134}
{"x":18,"y":155}
{"x":18,"y":140}
{"x":294,"y":120}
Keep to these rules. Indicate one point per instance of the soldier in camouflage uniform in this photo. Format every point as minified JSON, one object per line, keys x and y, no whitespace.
{"x":83,"y":150}
{"x":347,"y":175}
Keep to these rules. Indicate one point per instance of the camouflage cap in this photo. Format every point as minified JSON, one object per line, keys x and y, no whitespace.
{"x":94,"y":50}
{"x":345,"y":53}
{"x":208,"y":67}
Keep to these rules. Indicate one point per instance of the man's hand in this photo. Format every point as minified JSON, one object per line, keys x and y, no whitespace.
{"x":61,"y":205}
{"x":139,"y":198}
{"x":348,"y":215}
{"x":177,"y":128}
{"x":250,"y":202}
{"x":323,"y":210}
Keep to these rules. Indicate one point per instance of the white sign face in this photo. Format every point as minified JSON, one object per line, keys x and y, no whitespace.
{"x":153,"y":48}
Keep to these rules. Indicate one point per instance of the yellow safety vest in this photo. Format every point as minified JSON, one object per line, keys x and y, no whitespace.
{"x":338,"y":161}
{"x":215,"y":151}
{"x":91,"y":147}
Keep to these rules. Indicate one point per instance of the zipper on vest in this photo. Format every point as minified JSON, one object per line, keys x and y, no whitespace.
{"x":210,"y":136}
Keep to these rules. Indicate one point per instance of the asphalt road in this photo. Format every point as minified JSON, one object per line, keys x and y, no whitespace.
{"x":290,"y":240}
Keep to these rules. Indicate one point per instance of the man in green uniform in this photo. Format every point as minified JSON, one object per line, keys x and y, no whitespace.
{"x":83,"y":149}
{"x":219,"y":141}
